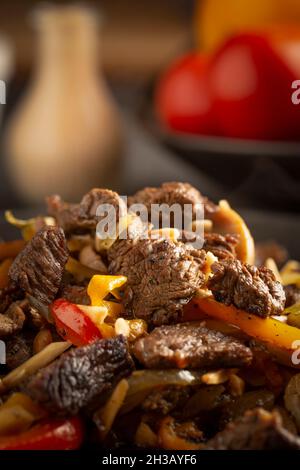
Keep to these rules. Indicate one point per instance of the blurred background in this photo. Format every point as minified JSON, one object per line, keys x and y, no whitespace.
{"x":126,"y":94}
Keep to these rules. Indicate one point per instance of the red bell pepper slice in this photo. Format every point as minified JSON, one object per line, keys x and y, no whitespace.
{"x":62,"y":434}
{"x":73,"y":324}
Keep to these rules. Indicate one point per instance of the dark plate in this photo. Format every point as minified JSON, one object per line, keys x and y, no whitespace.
{"x":265,"y":226}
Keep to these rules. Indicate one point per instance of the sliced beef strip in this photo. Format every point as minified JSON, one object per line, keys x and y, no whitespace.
{"x":222,"y":246}
{"x":292,"y":294}
{"x":75,"y":294}
{"x":38,"y":269}
{"x":82,"y":217}
{"x":256,"y":430}
{"x":12,"y":321}
{"x":81,"y":378}
{"x":18,"y":351}
{"x":162,"y":276}
{"x":191,"y":346}
{"x":172,"y":193}
{"x":247,"y":287}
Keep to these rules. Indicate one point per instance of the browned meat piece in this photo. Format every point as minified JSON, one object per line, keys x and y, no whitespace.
{"x":190,"y":346}
{"x":172,"y":193}
{"x":83,"y":377}
{"x":75,"y":294}
{"x":8,"y":295}
{"x":38,"y":269}
{"x":18,"y":350}
{"x":82,"y":217}
{"x":292,"y":294}
{"x":34,"y":318}
{"x":166,"y":400}
{"x":162,"y":276}
{"x":222,"y":246}
{"x":247,"y":287}
{"x":12,"y":321}
{"x":256,"y":430}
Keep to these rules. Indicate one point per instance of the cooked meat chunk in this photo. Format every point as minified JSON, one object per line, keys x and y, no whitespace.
{"x":38,"y":269}
{"x":162,"y":276}
{"x":75,"y":294}
{"x":18,"y":350}
{"x":222,"y":246}
{"x":81,"y":378}
{"x":12,"y":321}
{"x":190,"y":346}
{"x":172,"y":193}
{"x":256,"y":430}
{"x":8,"y":295}
{"x":166,"y":400}
{"x":34,"y":318}
{"x":82,"y":217}
{"x":247,"y":287}
{"x":292,"y":294}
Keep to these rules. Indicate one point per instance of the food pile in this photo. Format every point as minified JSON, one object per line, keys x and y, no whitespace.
{"x":146,"y":341}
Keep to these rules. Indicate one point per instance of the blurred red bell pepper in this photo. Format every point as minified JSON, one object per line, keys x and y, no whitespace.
{"x":63,"y":434}
{"x":182,"y":100}
{"x":73,"y":324}
{"x":251,"y":78}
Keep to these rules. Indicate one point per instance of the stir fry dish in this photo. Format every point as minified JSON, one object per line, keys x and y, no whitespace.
{"x":143,"y":341}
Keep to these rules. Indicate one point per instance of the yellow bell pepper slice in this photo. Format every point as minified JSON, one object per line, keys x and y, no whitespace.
{"x":268,"y":330}
{"x":28,"y":227}
{"x":102,"y":285}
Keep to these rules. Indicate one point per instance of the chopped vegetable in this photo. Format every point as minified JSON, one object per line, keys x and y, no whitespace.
{"x":106,"y":415}
{"x":226,"y":220}
{"x":26,"y":402}
{"x":267,"y":330}
{"x":293,"y":314}
{"x":170,"y":440}
{"x":18,"y":413}
{"x":29,"y":227}
{"x":14,"y":420}
{"x":270,"y":264}
{"x":292,"y":398}
{"x":142,"y":382}
{"x":4,"y":268}
{"x":98,"y":313}
{"x":218,"y":377}
{"x":205,"y":399}
{"x":79,"y":271}
{"x":290,"y":273}
{"x":101,"y":285}
{"x":88,"y":257}
{"x":60,"y":434}
{"x":132,"y":329}
{"x":73,"y":324}
{"x":236,"y":385}
{"x":145,"y":437}
{"x":11,"y":249}
{"x":42,"y":339}
{"x":36,"y":362}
